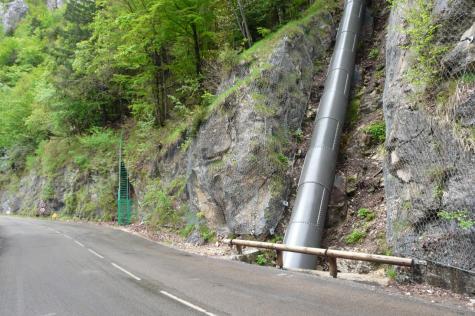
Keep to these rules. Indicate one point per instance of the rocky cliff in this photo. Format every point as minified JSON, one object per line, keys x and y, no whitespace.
{"x":247,"y":142}
{"x":430,"y":160}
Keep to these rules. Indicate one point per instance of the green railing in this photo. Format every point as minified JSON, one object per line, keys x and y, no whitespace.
{"x":124,"y":201}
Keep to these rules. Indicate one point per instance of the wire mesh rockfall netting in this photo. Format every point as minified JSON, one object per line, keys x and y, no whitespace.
{"x":435,"y":162}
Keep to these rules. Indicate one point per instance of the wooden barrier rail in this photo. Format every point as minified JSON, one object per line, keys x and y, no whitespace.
{"x":330,"y":254}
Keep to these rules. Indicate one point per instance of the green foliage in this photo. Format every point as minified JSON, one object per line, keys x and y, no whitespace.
{"x":283,"y":159}
{"x":69,"y":78}
{"x":407,"y":205}
{"x":48,"y":191}
{"x":187,"y":230}
{"x":261,"y":260}
{"x":206,"y":233}
{"x":354,"y":109}
{"x":276,"y":239}
{"x":461,"y":217}
{"x":468,"y":78}
{"x":376,"y":131}
{"x":374,"y":53}
{"x":366,"y":214}
{"x":421,"y":32}
{"x":391,"y":272}
{"x":298,"y":134}
{"x":263,"y":32}
{"x":228,"y":59}
{"x":438,"y":191}
{"x":70,"y":203}
{"x":354,"y":237}
{"x":160,"y":208}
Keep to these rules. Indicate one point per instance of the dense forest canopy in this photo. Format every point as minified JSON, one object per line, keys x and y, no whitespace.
{"x":90,"y":65}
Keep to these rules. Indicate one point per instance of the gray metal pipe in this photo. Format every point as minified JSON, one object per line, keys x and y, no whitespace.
{"x":318,"y":174}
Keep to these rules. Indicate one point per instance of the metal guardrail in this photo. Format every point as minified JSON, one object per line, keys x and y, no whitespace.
{"x":330,"y":254}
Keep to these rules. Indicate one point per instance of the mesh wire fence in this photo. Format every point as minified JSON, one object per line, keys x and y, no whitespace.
{"x":435,"y":208}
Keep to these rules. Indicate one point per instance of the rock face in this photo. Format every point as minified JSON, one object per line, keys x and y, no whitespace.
{"x":11,"y":14}
{"x":238,"y":162}
{"x":54,"y":4}
{"x":430,"y":163}
{"x":70,"y":192}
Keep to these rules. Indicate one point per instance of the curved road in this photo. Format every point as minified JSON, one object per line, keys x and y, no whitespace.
{"x":53,"y":268}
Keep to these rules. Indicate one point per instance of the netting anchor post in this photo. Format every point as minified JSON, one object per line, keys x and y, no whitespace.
{"x":280,"y":259}
{"x":239,"y":249}
{"x":332,"y":267}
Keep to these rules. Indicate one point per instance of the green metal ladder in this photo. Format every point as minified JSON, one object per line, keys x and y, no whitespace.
{"x":124,"y":202}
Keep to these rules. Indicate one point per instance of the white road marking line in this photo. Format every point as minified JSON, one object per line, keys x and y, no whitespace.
{"x":187,"y":303}
{"x":95,"y":253}
{"x":68,"y":237}
{"x":57,"y":232}
{"x":125,"y":271}
{"x":77,"y":242}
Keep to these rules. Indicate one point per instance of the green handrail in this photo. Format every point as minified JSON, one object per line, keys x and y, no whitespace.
{"x":124,"y":202}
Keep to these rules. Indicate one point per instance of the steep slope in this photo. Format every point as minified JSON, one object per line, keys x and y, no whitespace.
{"x":243,"y":139}
{"x":430,"y":161}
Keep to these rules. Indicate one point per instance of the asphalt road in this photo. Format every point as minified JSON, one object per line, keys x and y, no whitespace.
{"x":54,"y":268}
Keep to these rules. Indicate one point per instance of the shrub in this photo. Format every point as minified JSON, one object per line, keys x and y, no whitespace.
{"x":228,"y":58}
{"x":48,"y":191}
{"x":187,"y":230}
{"x":298,"y":134}
{"x":421,"y":32}
{"x":263,"y":32}
{"x":366,"y":214}
{"x":162,"y":213}
{"x":70,"y":203}
{"x":100,"y":140}
{"x":206,"y":233}
{"x":377,"y":132}
{"x":461,"y":217}
{"x":355,"y":236}
{"x":261,"y":260}
{"x":391,"y":273}
{"x":374,"y":53}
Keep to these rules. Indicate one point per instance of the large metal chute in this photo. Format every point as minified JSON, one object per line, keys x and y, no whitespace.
{"x":318,"y":174}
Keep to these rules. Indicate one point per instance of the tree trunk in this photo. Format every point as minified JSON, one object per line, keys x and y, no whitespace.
{"x":244,"y":22}
{"x":157,"y":89}
{"x":197,"y":49}
{"x":164,"y":83}
{"x":236,"y":16}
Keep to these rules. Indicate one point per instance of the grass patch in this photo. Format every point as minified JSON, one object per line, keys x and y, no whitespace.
{"x":391,"y":272}
{"x":159,"y":205}
{"x":377,"y":132}
{"x":354,"y":110}
{"x":264,"y":46}
{"x":374,"y":53}
{"x":262,"y":260}
{"x":355,"y":237}
{"x":366,"y":214}
{"x":468,"y":78}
